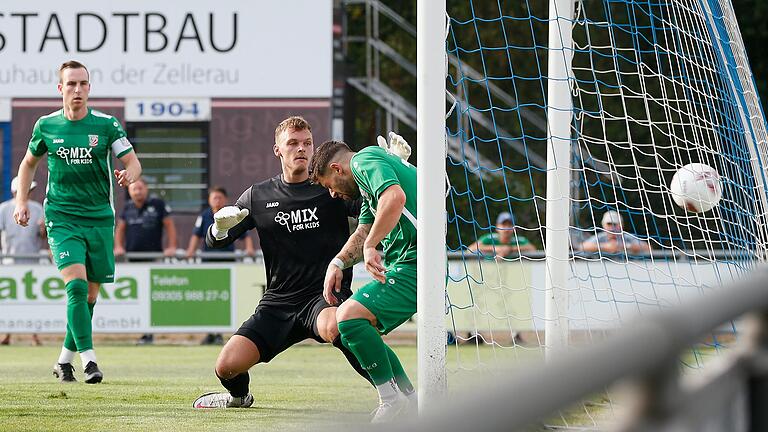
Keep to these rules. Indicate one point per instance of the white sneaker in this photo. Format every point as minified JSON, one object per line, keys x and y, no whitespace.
{"x":389,"y":411}
{"x":222,"y":400}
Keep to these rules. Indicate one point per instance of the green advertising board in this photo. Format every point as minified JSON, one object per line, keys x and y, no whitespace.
{"x":190,"y":297}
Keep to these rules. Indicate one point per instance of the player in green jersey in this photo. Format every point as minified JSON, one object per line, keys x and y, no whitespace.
{"x":388,"y":216}
{"x":79,"y":211}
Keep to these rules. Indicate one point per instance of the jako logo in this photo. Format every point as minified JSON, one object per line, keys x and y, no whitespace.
{"x":272,"y":204}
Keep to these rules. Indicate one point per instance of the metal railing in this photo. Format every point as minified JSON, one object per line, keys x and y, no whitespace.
{"x":399,"y":109}
{"x":240,"y":256}
{"x":179,"y":257}
{"x":655,"y":254}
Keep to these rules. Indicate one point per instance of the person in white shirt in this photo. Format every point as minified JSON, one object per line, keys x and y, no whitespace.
{"x":18,"y":240}
{"x":612,"y":239}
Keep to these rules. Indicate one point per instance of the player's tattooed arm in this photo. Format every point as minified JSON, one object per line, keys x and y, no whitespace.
{"x":352,"y":252}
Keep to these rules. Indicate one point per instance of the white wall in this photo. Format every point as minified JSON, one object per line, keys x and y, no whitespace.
{"x":509,"y":295}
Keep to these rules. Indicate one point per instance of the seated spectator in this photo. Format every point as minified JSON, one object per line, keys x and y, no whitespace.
{"x":16,"y":239}
{"x":504,"y":242}
{"x":612,"y":239}
{"x":140,"y":229}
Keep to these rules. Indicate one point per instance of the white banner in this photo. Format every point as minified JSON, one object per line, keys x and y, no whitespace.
{"x":197,"y":48}
{"x":167,"y":109}
{"x":143,"y":299}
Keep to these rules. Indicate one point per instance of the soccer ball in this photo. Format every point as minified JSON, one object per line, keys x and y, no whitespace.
{"x":696,"y":187}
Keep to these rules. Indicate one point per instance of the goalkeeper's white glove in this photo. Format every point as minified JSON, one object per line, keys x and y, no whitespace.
{"x":397,"y":145}
{"x":226,"y":218}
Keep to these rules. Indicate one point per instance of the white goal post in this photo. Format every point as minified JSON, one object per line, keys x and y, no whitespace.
{"x":431,"y":228}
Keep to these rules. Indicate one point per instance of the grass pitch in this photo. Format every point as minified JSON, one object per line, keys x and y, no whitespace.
{"x":151,"y":388}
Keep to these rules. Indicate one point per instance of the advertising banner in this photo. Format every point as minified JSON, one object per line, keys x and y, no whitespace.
{"x":491,"y":295}
{"x":197,"y":48}
{"x":143,"y":299}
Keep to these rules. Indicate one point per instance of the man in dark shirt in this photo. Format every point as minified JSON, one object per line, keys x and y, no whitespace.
{"x":301,"y":228}
{"x":140,"y":229}
{"x":143,"y":222}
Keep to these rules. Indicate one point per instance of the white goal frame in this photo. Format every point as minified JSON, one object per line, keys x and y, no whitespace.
{"x":431,"y":226}
{"x":431,"y":211}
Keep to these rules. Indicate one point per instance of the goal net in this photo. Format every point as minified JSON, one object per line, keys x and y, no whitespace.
{"x":645,"y":88}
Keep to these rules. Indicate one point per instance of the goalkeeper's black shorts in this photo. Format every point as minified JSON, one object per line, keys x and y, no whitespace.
{"x":276,"y":328}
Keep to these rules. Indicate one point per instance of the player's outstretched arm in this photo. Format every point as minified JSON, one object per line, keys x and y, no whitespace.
{"x":229,"y":224}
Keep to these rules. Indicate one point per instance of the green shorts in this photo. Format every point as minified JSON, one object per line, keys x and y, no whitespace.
{"x":90,"y":246}
{"x":394,"y":302}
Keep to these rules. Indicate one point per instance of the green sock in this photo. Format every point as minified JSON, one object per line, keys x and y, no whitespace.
{"x":69,"y":340}
{"x":365,"y":343}
{"x":78,"y":318}
{"x":403,"y":382}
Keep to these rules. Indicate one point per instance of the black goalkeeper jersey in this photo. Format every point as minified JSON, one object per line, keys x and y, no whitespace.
{"x":301,"y":228}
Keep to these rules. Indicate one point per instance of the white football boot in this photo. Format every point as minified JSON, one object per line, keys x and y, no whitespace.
{"x":222,"y":400}
{"x":390,"y":410}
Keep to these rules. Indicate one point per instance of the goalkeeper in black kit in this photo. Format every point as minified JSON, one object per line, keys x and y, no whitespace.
{"x":301,"y":228}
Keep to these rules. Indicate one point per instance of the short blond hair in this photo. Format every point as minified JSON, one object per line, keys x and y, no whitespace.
{"x":293,"y":122}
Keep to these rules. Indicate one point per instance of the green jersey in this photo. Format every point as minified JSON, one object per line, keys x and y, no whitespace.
{"x":80,"y":188}
{"x":375,"y":170}
{"x":494,"y":239}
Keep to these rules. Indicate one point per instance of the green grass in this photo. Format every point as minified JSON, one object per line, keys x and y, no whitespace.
{"x":152,"y":389}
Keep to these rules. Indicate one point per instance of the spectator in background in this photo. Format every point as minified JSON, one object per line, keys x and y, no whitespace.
{"x":504,"y":242}
{"x":612,"y":239}
{"x":140,"y":229}
{"x":16,"y":239}
{"x":217,"y":198}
